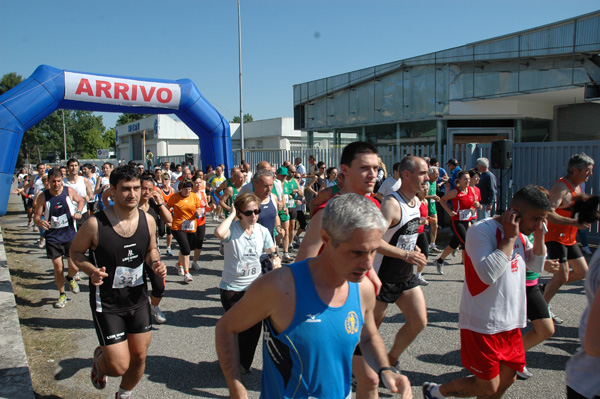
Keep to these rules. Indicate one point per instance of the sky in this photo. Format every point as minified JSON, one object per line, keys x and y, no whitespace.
{"x":284,"y":42}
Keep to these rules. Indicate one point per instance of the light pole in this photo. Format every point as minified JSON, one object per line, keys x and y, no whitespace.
{"x":64,"y":134}
{"x":241,"y":103}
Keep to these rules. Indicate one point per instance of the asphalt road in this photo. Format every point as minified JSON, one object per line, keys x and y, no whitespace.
{"x":182,"y":361}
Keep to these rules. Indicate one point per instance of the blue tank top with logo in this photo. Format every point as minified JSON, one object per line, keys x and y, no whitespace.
{"x":312,"y":358}
{"x":57,"y":212}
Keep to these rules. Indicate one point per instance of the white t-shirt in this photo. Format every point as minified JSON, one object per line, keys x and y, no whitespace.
{"x":174,"y":176}
{"x":493,"y":298}
{"x":389,"y":186}
{"x":80,"y":188}
{"x":242,"y":256}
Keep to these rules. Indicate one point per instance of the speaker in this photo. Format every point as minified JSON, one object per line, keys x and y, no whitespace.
{"x":189,"y":159}
{"x":501,"y":157}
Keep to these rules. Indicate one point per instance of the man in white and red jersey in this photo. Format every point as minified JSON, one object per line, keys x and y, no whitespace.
{"x":493,"y":304}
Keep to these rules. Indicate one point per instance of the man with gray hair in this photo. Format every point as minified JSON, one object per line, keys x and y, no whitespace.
{"x":562,"y":227}
{"x":330,"y":297}
{"x":487,"y":187}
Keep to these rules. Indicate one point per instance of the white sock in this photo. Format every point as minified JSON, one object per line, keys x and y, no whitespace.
{"x":124,"y":394}
{"x":435,"y":392}
{"x":418,"y":274}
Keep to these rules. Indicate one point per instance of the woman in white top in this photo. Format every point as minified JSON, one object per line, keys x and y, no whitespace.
{"x":244,"y":242}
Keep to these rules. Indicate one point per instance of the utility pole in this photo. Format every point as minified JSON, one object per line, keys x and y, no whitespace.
{"x":241,"y":103}
{"x":64,"y":135}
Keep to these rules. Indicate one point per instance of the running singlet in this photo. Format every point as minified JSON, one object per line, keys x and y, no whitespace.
{"x":184,"y":209}
{"x":404,"y":236}
{"x":80,"y":188}
{"x":125,"y":287}
{"x":231,"y":199}
{"x":462,"y":204}
{"x":288,"y":188}
{"x":58,"y":213}
{"x":562,"y":233}
{"x":299,"y":362}
{"x":268,"y":214}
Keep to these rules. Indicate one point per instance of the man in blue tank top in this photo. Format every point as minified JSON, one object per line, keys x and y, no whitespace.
{"x":307,"y":353}
{"x":59,"y":227}
{"x":121,"y":241}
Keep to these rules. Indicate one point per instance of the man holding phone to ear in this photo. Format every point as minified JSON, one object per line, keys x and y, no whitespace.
{"x":493,"y":303}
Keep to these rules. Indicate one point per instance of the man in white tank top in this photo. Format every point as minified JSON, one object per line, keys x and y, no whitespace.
{"x":80,"y":184}
{"x":399,"y":283}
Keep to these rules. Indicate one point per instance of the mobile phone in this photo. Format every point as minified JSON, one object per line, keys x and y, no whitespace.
{"x":544,"y":228}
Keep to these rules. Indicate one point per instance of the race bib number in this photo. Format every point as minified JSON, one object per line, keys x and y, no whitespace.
{"x":464,"y":214}
{"x":128,"y":277}
{"x":248,"y":269}
{"x":58,"y":222}
{"x":290,"y":201}
{"x":407,"y":243}
{"x":188,"y":225}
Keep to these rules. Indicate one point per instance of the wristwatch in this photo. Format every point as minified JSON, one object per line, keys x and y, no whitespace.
{"x":78,"y":212}
{"x":392,"y":369}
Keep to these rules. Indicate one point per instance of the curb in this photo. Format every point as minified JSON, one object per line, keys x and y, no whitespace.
{"x":15,"y":378}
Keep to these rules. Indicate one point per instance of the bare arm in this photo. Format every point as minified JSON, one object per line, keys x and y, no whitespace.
{"x":591,"y":341}
{"x":373,"y":347}
{"x":558,"y":192}
{"x":152,"y":255}
{"x":220,"y":189}
{"x":228,"y":192}
{"x":163,"y":208}
{"x":312,"y":242}
{"x":263,"y":299}
{"x":77,"y":199}
{"x":105,"y":196}
{"x":87,"y":238}
{"x":223,"y":231}
{"x":443,"y":201}
{"x":39,"y":210}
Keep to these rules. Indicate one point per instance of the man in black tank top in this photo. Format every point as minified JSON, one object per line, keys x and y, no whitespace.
{"x":121,"y":239}
{"x":59,"y":226}
{"x":399,"y":283}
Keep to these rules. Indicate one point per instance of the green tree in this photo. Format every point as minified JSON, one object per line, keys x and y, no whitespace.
{"x":110,"y":138}
{"x":125,"y":119}
{"x":9,"y":81}
{"x":247,"y":119}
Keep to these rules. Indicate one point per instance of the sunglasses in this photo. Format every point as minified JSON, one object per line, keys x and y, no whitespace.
{"x":249,"y":213}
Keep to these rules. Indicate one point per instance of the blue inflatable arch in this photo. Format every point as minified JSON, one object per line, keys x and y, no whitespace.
{"x":49,"y":89}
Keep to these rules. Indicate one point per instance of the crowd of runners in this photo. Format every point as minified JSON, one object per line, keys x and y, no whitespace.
{"x":355,"y":239}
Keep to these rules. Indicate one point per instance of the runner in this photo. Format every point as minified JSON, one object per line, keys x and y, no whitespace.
{"x":121,"y":239}
{"x":291,"y":192}
{"x":244,"y":242}
{"x":166,"y":192}
{"x":59,"y":229}
{"x":433,"y":199}
{"x":307,"y":352}
{"x":152,"y":202}
{"x":199,"y":189}
{"x":561,"y":239}
{"x":186,"y":209}
{"x":400,"y":285}
{"x":492,"y":307}
{"x":463,"y":204}
{"x":81,"y":185}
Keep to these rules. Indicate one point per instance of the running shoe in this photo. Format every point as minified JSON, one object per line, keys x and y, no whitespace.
{"x":195,"y":266}
{"x":297,"y":240}
{"x":434,"y":249}
{"x":244,"y":370}
{"x":41,"y":243}
{"x":427,"y":390}
{"x":286,"y":257}
{"x":73,"y":286}
{"x":77,"y":277}
{"x":98,"y":379}
{"x":169,"y":252}
{"x":455,"y":252}
{"x":586,"y":250}
{"x":159,"y":316}
{"x":556,"y":319}
{"x":29,"y":224}
{"x":180,"y":270}
{"x":524,"y":375}
{"x":439,"y":264}
{"x":62,"y":301}
{"x":422,"y":281}
{"x":187,"y":278}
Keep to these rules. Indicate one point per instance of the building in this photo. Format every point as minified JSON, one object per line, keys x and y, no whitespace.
{"x":528,"y":86}
{"x":170,"y":140}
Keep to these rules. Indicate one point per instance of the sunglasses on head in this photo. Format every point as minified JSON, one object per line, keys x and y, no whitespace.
{"x":249,"y":213}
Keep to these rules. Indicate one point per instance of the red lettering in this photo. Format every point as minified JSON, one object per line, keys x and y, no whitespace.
{"x":168,"y":93}
{"x":84,"y":87}
{"x":121,"y":88}
{"x":133,"y":92}
{"x":147,"y":96}
{"x":103,"y":86}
